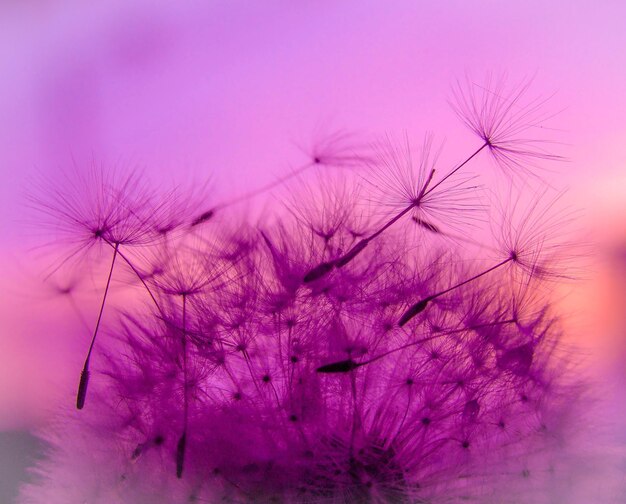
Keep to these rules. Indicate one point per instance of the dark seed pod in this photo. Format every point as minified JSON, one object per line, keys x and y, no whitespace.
{"x":344,"y":366}
{"x":318,"y":272}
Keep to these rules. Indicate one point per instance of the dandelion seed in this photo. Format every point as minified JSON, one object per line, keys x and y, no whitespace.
{"x":98,"y":207}
{"x":180,"y":454}
{"x":536,"y":235}
{"x":410,"y":187}
{"x":414,"y":310}
{"x":507,"y":121}
{"x":354,"y":251}
{"x":95,"y":206}
{"x":202,"y":218}
{"x":339,"y":367}
{"x":337,"y":148}
{"x":525,"y":245}
{"x":426,"y":225}
{"x":318,"y":272}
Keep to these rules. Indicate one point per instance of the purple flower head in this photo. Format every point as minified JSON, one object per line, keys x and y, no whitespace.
{"x":328,"y":354}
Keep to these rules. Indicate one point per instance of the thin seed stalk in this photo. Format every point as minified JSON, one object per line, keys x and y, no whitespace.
{"x":81,"y":396}
{"x":422,"y":304}
{"x":182,"y":441}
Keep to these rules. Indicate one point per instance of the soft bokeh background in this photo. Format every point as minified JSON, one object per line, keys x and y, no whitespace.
{"x":234,"y":90}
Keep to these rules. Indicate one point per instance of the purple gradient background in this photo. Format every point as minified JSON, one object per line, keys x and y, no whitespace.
{"x":228,"y":90}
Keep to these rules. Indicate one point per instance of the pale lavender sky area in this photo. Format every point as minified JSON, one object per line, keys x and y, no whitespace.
{"x":228,"y":89}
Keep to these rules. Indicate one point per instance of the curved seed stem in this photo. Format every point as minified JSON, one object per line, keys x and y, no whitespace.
{"x":456,"y":169}
{"x":182,"y":442}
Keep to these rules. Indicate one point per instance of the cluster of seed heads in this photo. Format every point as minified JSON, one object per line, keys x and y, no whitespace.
{"x":366,"y":344}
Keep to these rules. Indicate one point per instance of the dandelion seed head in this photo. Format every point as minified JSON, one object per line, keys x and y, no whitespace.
{"x":324,"y":355}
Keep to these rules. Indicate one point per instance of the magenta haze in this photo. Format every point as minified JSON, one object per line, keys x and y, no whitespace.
{"x":370,"y":345}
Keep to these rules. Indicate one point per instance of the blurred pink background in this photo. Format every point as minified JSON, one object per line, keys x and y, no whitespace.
{"x":229,"y":90}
